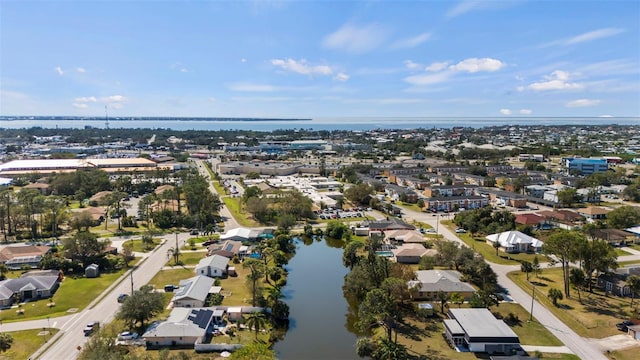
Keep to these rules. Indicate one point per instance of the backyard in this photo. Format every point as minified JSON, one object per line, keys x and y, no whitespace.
{"x":26,"y":342}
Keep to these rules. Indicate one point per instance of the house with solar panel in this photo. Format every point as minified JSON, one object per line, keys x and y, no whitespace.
{"x":193,"y":292}
{"x":213,"y":266}
{"x":183,"y":327}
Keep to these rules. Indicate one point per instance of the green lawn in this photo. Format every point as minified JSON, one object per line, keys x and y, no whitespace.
{"x":138,"y":246}
{"x":190,"y":258}
{"x":234,"y":206}
{"x":26,"y":342}
{"x":530,"y":333}
{"x":595,"y":317}
{"x":173,"y":276}
{"x":621,"y":252}
{"x":73,"y":293}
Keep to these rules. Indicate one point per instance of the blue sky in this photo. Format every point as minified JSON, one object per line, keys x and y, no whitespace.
{"x":320,"y":58}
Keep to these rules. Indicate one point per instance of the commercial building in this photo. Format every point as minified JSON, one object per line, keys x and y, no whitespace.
{"x":586,"y":166}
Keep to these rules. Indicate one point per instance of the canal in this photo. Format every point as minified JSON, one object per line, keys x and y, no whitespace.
{"x":318,"y":326}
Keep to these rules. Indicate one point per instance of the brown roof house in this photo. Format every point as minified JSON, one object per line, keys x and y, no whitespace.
{"x":18,"y":255}
{"x":593,"y":212}
{"x":412,"y":253}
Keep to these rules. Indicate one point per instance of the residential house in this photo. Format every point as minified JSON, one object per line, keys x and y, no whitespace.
{"x":412,"y":253}
{"x":395,"y":193}
{"x":593,"y":212}
{"x":99,"y":196}
{"x":614,"y":237}
{"x":533,"y":220}
{"x":430,"y":282}
{"x":162,"y":188}
{"x":613,"y":284}
{"x":183,"y":327}
{"x":470,"y":179}
{"x":97,"y":214}
{"x":43,"y":188}
{"x":213,"y":266}
{"x":404,"y":236}
{"x":228,"y":249}
{"x":477,"y":330}
{"x":241,"y":234}
{"x":380,"y":227}
{"x":193,"y":292}
{"x":28,"y":287}
{"x":504,"y":198}
{"x":17,"y":255}
{"x":564,"y":219}
{"x":515,"y":242}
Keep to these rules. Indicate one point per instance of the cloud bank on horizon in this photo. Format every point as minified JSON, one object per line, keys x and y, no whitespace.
{"x":320,"y":59}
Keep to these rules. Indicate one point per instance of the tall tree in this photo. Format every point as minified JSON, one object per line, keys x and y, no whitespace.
{"x":526,"y":268}
{"x":257,"y":269}
{"x":377,"y":309}
{"x":561,"y":247}
{"x":84,"y":247}
{"x":634,"y":285}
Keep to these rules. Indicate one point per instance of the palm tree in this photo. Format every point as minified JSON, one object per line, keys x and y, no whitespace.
{"x":175,"y":252}
{"x":576,"y":277}
{"x":388,"y":350}
{"x":257,"y":321}
{"x":3,"y":270}
{"x":457,"y":298}
{"x":526,"y":268}
{"x":496,"y":245}
{"x":5,"y":342}
{"x":555,"y":295}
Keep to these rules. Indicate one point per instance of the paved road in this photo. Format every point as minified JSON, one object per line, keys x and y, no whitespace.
{"x":102,"y":309}
{"x":578,"y":345}
{"x":229,"y":221}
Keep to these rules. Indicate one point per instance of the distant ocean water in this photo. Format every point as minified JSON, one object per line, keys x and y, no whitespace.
{"x":342,"y":123}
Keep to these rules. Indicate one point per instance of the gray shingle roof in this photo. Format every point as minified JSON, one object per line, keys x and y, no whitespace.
{"x":441,"y":280}
{"x":196,"y":288}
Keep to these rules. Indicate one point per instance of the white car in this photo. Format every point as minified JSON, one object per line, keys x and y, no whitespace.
{"x":127,"y":335}
{"x":461,"y":230}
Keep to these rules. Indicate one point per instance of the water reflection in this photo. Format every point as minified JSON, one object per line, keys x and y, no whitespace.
{"x":320,"y":319}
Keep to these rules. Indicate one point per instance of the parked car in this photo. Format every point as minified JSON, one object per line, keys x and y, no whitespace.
{"x":623,"y":326}
{"x":461,"y":230}
{"x":169,"y":288}
{"x":430,"y":231}
{"x":194,"y":232}
{"x":127,"y":335}
{"x":208,"y":242}
{"x":122,"y":297}
{"x":91,"y":328}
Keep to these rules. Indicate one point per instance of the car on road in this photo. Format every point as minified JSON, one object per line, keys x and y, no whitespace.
{"x":122,"y":297}
{"x":127,"y":335}
{"x":430,"y":231}
{"x":624,"y":326}
{"x":209,"y":242}
{"x":91,"y":328}
{"x":461,"y":230}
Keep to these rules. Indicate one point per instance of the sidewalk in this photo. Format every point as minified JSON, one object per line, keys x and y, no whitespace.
{"x":547,"y":349}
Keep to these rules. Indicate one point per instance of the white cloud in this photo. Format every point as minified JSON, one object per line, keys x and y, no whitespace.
{"x":558,"y":80}
{"x":301,"y":67}
{"x":243,"y":60}
{"x":184,"y":70}
{"x":505,"y":111}
{"x":605,"y":116}
{"x":212,"y":99}
{"x":85,"y":99}
{"x":463,"y":7}
{"x":80,"y":105}
{"x":525,"y":111}
{"x":473,"y":65}
{"x":410,"y":64}
{"x":113,"y":99}
{"x":81,"y":70}
{"x":437,"y":66}
{"x":252,"y":87}
{"x":592,"y":35}
{"x":582,"y":103}
{"x":354,"y":39}
{"x":429,"y":79}
{"x":341,"y":77}
{"x":59,"y":70}
{"x":413,"y":41}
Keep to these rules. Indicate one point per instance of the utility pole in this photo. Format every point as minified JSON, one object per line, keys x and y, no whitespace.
{"x":131,"y":274}
{"x":533,"y":296}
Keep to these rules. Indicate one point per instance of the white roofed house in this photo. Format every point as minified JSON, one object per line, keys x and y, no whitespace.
{"x":213,"y":266}
{"x":183,"y":327}
{"x":515,"y":242}
{"x":193,"y":292}
{"x":241,"y":234}
{"x":430,"y":282}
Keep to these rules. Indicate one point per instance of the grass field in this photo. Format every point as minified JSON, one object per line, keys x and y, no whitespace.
{"x":190,"y":258}
{"x":26,"y":342}
{"x":72,"y":294}
{"x":138,"y":246}
{"x":595,"y":317}
{"x":234,"y":206}
{"x":173,"y":276}
{"x":627,"y":354}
